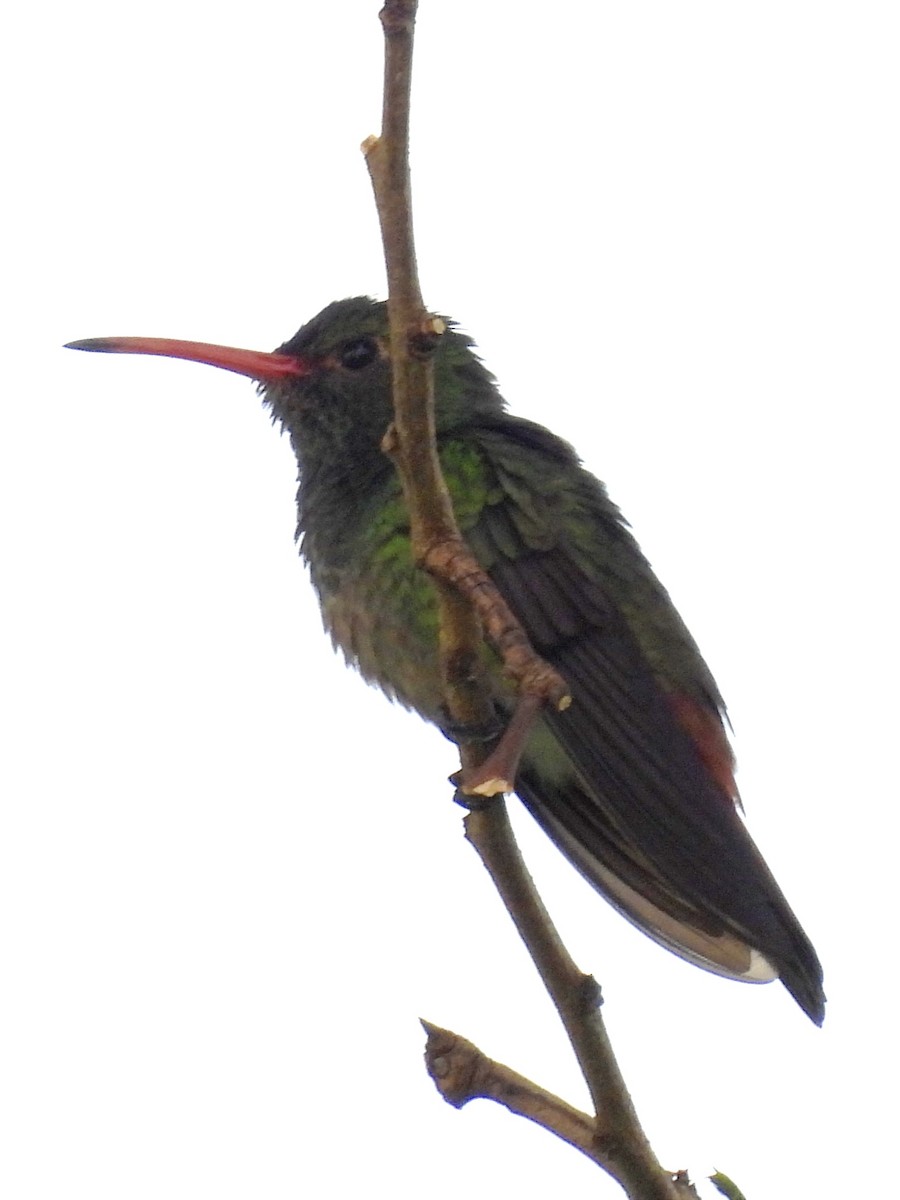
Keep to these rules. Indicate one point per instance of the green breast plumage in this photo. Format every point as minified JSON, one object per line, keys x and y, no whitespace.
{"x":379,"y":608}
{"x":515,"y":501}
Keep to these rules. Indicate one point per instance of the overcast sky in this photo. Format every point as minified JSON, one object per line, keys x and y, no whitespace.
{"x":231,"y":876}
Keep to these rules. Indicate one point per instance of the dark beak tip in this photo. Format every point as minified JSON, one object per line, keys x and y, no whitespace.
{"x":96,"y":344}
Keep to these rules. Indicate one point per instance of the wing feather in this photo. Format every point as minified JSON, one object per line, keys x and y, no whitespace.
{"x":629,"y":795}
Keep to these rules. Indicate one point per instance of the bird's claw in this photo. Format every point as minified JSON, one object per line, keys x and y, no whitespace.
{"x":460,"y":732}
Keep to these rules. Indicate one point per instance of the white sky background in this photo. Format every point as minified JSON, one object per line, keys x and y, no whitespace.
{"x":231,"y":876}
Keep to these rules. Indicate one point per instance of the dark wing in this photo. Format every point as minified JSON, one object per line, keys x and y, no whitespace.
{"x":620,"y":781}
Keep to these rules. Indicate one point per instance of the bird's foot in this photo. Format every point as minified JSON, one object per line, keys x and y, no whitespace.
{"x":460,"y":732}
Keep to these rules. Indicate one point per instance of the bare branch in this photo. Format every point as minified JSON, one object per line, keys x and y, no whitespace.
{"x":468,"y":604}
{"x":620,"y":1142}
{"x":461,"y":1072}
{"x":469,"y":601}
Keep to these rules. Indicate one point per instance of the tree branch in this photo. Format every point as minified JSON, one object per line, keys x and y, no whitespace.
{"x":470,"y":607}
{"x":620,"y":1144}
{"x":468,"y":599}
{"x":461,"y":1072}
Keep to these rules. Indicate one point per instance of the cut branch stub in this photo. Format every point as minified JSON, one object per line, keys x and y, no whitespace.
{"x":461,"y":1072}
{"x":454,"y":1064}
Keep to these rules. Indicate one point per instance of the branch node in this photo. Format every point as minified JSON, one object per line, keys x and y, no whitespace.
{"x":398,"y":17}
{"x":425,"y":338}
{"x":591,"y":994}
{"x":390,"y":442}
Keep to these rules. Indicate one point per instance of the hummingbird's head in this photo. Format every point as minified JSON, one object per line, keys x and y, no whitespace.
{"x":343,"y":397}
{"x":329,"y":385}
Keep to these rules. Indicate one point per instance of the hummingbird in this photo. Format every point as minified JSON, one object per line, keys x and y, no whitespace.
{"x":634,"y":781}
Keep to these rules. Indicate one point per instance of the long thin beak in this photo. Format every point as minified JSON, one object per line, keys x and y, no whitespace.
{"x":267,"y":368}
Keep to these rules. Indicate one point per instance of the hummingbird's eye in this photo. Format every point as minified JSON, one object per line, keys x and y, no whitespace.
{"x":358,"y":354}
